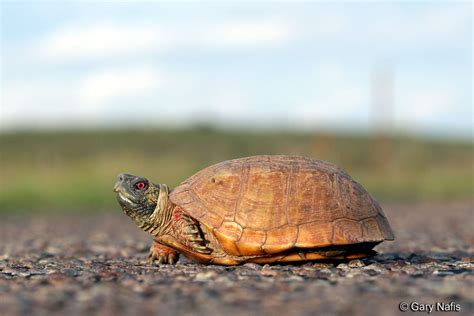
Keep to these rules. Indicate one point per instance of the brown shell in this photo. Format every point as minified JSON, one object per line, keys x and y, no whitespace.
{"x":268,"y":204}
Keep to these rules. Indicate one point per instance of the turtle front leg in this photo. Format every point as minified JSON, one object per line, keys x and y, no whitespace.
{"x":162,"y":253}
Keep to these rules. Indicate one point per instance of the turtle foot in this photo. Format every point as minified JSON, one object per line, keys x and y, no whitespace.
{"x":162,"y":254}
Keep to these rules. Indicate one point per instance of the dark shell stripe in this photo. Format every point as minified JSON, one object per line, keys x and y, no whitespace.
{"x":269,"y":204}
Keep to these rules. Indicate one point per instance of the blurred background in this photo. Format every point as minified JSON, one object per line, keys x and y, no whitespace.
{"x":161,"y":89}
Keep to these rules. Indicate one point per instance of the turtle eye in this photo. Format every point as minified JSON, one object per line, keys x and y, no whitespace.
{"x":140,"y":185}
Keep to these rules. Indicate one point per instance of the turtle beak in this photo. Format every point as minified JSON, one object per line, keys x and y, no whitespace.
{"x":119,"y":182}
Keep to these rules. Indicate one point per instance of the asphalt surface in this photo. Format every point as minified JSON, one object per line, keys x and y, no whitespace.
{"x":96,"y":264}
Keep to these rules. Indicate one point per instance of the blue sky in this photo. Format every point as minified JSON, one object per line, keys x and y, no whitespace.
{"x":306,"y":65}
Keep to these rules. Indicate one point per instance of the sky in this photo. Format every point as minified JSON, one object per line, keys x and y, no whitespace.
{"x":402,"y":66}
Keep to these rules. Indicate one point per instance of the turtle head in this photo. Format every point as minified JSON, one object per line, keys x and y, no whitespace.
{"x":138,"y":197}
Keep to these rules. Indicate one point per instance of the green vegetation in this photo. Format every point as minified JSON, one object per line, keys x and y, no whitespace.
{"x":50,"y":171}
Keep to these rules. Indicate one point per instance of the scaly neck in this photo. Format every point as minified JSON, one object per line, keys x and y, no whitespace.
{"x":159,"y":222}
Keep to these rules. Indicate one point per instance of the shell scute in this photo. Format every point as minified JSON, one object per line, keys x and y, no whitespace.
{"x":357,"y":203}
{"x":221,"y":190}
{"x":315,"y":233}
{"x":232,"y":229}
{"x":371,"y":230}
{"x":212,"y":219}
{"x":385,"y":227}
{"x":347,"y":231}
{"x":251,"y":242}
{"x":280,"y":239}
{"x":261,"y":205}
{"x":313,"y":198}
{"x":227,"y":243}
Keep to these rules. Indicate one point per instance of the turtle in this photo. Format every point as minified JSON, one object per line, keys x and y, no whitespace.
{"x":259,"y":209}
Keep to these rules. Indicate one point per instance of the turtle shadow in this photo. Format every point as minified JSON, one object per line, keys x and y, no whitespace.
{"x":391,"y":257}
{"x":422,"y":257}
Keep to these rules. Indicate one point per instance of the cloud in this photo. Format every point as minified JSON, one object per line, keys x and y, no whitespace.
{"x":108,"y":39}
{"x":99,"y":40}
{"x":245,"y":34}
{"x":107,"y":85}
{"x":93,"y":96}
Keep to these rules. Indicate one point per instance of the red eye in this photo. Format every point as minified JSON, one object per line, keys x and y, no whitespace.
{"x":140,"y":185}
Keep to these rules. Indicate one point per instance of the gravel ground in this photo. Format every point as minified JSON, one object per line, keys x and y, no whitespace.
{"x":96,"y":264}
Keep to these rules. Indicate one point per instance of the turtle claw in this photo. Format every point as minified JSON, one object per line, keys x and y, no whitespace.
{"x":162,"y":259}
{"x":152,"y":257}
{"x":162,"y":254}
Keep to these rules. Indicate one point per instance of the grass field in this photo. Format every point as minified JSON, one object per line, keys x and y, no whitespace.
{"x":52,"y":171}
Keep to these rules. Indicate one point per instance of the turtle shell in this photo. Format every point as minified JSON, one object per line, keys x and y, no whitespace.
{"x":268,"y":204}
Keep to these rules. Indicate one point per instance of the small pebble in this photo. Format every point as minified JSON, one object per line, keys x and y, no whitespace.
{"x":268,"y":271}
{"x":356,"y":264}
{"x":377,"y":267}
{"x":343,"y":266}
{"x":204,"y":276}
{"x":252,"y":266}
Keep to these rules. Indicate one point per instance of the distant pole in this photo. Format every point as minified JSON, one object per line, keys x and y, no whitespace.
{"x":381,"y":116}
